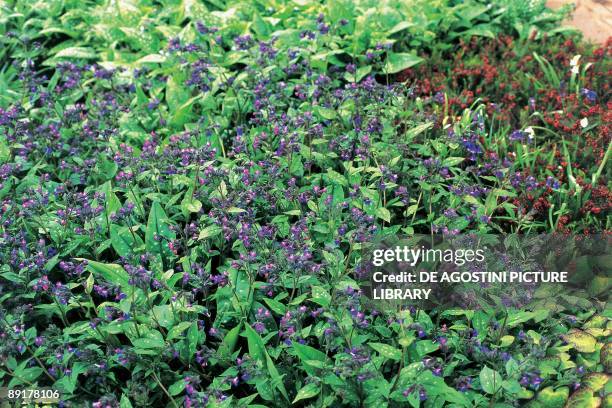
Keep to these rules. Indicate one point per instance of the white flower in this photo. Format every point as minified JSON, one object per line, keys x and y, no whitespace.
{"x":575,"y":70}
{"x":530,"y":132}
{"x":584,"y":122}
{"x":575,"y":60}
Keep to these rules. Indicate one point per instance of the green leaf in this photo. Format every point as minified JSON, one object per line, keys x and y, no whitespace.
{"x":583,"y":398}
{"x":424,"y":347}
{"x":307,"y":353}
{"x":190,"y":204}
{"x":24,"y":374}
{"x":210,"y":231}
{"x":29,"y":374}
{"x":151,"y":339}
{"x":183,"y":113}
{"x":409,"y":373}
{"x":176,"y":93}
{"x":123,"y":241}
{"x":417,"y":130}
{"x":125,"y":402}
{"x":151,"y":59}
{"x":383,"y":213}
{"x":277,"y":379}
{"x":308,"y":391}
{"x":257,"y":349}
{"x":235,"y":210}
{"x":229,"y":341}
{"x":595,"y":381}
{"x":320,"y":296}
{"x":403,"y":25}
{"x":193,"y":338}
{"x":163,"y":314}
{"x":358,"y":75}
{"x":177,"y":330}
{"x":276,"y":306}
{"x":490,"y":380}
{"x":478,"y":32}
{"x":77,"y":52}
{"x":111,"y":203}
{"x":112,"y":273}
{"x":5,"y":152}
{"x":107,"y":168}
{"x":514,"y":319}
{"x":177,"y":387}
{"x":158,"y":232}
{"x":89,"y":283}
{"x":406,"y":341}
{"x":397,"y":62}
{"x":552,"y":398}
{"x":326,"y":113}
{"x":471,"y":200}
{"x":512,"y":386}
{"x":452,"y":161}
{"x":599,"y":285}
{"x":582,"y":341}
{"x":512,"y":367}
{"x":387,"y":351}
{"x":259,"y":26}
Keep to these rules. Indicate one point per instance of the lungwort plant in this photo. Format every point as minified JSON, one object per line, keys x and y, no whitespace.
{"x":185,"y":191}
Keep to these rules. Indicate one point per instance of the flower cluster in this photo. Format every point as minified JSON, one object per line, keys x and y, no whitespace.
{"x":191,"y":234}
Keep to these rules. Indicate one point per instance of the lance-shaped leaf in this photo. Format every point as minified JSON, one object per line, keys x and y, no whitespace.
{"x":158,"y":232}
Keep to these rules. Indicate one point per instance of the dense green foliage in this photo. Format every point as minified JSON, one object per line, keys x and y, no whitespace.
{"x":185,"y":188}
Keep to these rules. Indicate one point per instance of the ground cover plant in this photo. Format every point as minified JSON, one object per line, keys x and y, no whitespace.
{"x":185,"y":189}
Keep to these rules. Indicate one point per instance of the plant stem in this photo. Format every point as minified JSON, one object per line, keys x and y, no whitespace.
{"x":164,"y":390}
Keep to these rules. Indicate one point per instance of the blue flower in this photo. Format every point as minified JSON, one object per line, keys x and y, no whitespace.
{"x":591,"y":96}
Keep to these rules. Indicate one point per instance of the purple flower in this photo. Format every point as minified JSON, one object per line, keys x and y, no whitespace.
{"x":517,"y":136}
{"x":422,"y":394}
{"x":590,"y":95}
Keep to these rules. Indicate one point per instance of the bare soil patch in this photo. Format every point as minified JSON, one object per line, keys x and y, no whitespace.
{"x":592,"y":17}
